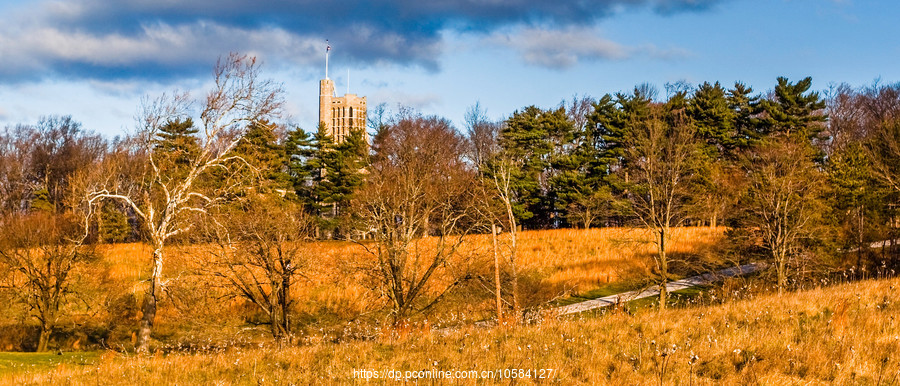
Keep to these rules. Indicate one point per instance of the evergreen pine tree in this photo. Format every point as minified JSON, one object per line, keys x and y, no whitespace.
{"x":346,"y":168}
{"x":577,"y":185}
{"x":715,"y":120}
{"x":176,"y":145}
{"x":113,"y":224}
{"x":856,"y":198}
{"x":529,"y":139}
{"x":298,"y":149}
{"x":745,"y":106}
{"x":711,"y":114}
{"x":794,"y":110}
{"x":326,"y":175}
{"x":40,"y":201}
{"x":318,"y":165}
{"x":611,"y":121}
{"x":259,"y":147}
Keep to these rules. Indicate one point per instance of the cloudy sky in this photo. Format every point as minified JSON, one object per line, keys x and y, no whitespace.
{"x":96,"y":59}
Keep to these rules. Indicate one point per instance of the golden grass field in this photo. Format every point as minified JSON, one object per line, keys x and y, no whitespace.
{"x":335,"y":296}
{"x":843,"y":334}
{"x":577,"y":257}
{"x":584,"y":259}
{"x":551,"y":264}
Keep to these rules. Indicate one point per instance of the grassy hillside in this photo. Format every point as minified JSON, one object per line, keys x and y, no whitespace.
{"x":336,"y":290}
{"x":844,"y":334}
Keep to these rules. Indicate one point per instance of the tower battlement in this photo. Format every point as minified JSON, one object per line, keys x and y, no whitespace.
{"x":340,"y":115}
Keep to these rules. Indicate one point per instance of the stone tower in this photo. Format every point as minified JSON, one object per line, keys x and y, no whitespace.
{"x":340,"y":114}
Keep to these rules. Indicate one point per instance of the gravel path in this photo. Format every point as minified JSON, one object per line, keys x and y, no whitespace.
{"x":692,"y":281}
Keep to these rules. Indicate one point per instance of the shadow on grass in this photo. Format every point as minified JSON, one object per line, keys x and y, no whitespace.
{"x":677,"y":299}
{"x":17,"y":362}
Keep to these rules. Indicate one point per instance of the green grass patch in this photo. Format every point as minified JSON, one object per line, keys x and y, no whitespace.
{"x":676,"y":299}
{"x":606,"y":290}
{"x":16,"y":362}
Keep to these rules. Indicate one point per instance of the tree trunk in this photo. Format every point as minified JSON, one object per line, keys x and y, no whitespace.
{"x":150,"y":301}
{"x":275,"y":326}
{"x":663,"y":294}
{"x":497,"y":273}
{"x":46,"y":319}
{"x":515,"y":274}
{"x":859,"y":241}
{"x":779,"y":268}
{"x":513,"y":230}
{"x":44,"y":338}
{"x":285,"y":305}
{"x":664,"y":270}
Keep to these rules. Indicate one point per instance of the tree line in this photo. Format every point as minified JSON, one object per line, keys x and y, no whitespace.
{"x":801,"y":180}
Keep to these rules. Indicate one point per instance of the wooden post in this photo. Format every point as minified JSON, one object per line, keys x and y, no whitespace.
{"x":497,"y":273}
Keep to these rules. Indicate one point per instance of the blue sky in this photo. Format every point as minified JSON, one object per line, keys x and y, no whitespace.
{"x":96,"y":59}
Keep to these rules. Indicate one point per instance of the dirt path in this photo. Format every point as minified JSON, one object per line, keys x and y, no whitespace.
{"x":692,"y":281}
{"x":705,"y":278}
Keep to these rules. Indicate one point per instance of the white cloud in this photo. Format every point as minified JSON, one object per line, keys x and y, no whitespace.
{"x":421,"y":102}
{"x":158,"y":45}
{"x":671,"y":53}
{"x":164,"y":39}
{"x":554,"y":48}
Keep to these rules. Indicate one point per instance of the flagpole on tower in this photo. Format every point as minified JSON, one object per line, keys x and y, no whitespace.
{"x":327,"y":49}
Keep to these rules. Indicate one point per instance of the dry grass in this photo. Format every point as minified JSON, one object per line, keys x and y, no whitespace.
{"x":846,"y":334}
{"x":336,"y":294}
{"x":552,"y":263}
{"x":585,"y":259}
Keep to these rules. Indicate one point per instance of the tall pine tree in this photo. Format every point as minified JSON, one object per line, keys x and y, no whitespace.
{"x":794,"y":110}
{"x":175,"y":146}
{"x":529,"y":139}
{"x":326,"y":175}
{"x":260,"y":149}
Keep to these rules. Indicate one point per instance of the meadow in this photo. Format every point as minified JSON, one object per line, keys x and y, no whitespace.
{"x":205,"y":335}
{"x":335,"y":294}
{"x":554,"y":266}
{"x":841,"y":334}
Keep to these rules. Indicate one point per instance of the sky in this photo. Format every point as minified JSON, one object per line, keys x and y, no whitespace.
{"x":97,"y":59}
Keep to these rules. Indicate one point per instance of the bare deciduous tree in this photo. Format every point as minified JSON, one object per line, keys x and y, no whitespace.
{"x":501,"y":177}
{"x":14,"y":158}
{"x":261,"y":250}
{"x":578,"y":110}
{"x":418,"y":185}
{"x":376,"y":116}
{"x":165,"y":197}
{"x":482,"y":134}
{"x":782,"y":204}
{"x":660,"y":160}
{"x":41,"y":250}
{"x":38,"y":162}
{"x":484,"y":149}
{"x":498,"y":172}
{"x":588,"y":209}
{"x":881,"y":109}
{"x":862,"y":161}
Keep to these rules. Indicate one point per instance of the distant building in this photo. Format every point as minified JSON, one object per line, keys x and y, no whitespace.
{"x":340,"y":114}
